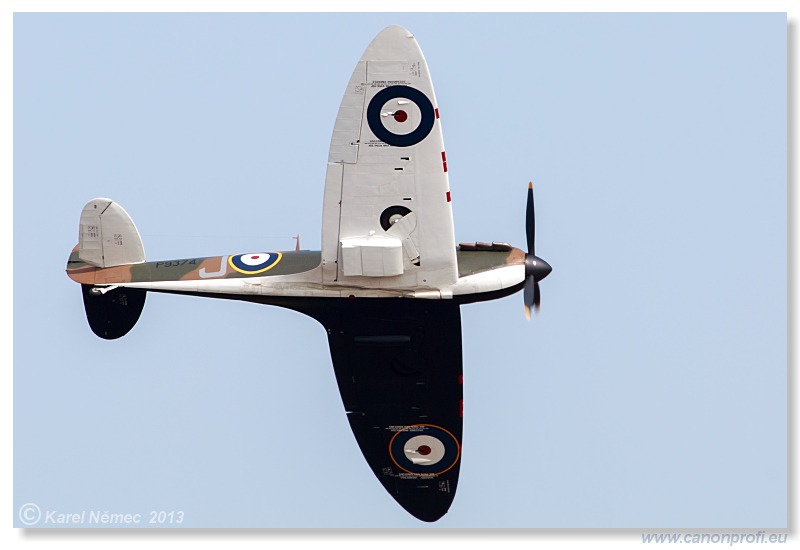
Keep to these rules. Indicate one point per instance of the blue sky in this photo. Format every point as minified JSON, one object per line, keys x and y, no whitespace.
{"x":651,"y":390}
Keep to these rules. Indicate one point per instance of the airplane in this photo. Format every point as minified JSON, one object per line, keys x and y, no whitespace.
{"x":387,"y":284}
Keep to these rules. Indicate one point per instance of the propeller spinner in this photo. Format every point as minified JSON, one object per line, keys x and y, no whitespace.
{"x":536,"y":268}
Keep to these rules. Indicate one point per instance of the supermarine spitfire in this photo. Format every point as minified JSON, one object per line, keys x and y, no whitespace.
{"x":387,"y":284}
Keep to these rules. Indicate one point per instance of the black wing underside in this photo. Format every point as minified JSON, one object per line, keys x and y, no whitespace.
{"x":398,"y":365}
{"x":399,"y":370}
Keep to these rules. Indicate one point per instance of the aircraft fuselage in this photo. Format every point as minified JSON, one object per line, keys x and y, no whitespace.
{"x":489,"y":268}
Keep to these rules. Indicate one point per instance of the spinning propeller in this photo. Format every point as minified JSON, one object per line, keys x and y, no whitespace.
{"x":536,"y":268}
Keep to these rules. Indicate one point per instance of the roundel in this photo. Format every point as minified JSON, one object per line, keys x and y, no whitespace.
{"x":424,"y":449}
{"x":392,"y":215}
{"x":253,"y":263}
{"x":401,"y":116}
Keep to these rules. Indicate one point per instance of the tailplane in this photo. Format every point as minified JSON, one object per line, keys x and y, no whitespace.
{"x":112,"y":314}
{"x":108,"y":238}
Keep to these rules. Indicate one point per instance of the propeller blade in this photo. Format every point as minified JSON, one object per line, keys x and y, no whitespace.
{"x":530,"y":221}
{"x":529,"y":295}
{"x":536,"y":268}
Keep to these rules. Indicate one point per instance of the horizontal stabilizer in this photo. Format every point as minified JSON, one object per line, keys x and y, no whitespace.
{"x":112,"y":314}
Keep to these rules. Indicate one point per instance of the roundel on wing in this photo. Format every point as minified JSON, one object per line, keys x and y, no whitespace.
{"x":392,"y":215}
{"x":424,"y":449}
{"x":401,"y":116}
{"x":253,"y":263}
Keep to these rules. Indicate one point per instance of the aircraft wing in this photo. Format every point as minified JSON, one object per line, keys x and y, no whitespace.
{"x":399,"y":370}
{"x":388,"y":224}
{"x":387,"y":216}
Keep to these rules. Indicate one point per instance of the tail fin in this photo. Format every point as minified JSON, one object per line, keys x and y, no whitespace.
{"x":108,"y":236}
